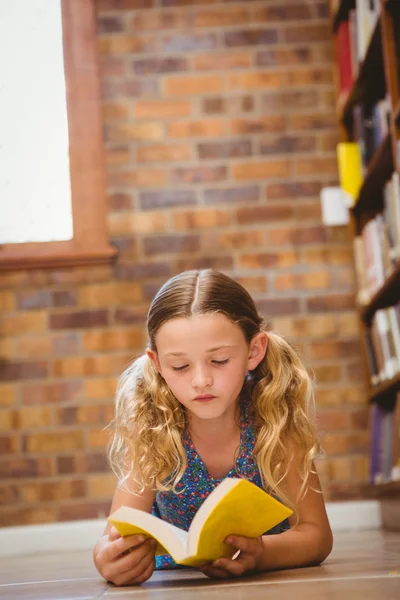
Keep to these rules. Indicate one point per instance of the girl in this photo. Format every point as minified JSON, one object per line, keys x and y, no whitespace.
{"x":214,"y":396}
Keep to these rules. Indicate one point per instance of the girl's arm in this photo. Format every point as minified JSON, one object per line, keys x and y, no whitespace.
{"x":310,"y":542}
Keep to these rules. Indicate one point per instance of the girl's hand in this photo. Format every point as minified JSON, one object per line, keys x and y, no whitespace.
{"x":125,"y":561}
{"x":251,"y":551}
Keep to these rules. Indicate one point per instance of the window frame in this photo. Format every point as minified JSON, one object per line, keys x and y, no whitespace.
{"x":90,"y":243}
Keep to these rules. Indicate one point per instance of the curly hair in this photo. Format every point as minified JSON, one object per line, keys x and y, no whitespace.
{"x":149,"y":421}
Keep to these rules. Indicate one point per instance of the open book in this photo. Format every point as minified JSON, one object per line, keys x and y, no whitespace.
{"x":234,"y":507}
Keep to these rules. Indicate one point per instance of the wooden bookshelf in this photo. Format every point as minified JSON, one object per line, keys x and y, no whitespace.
{"x":384,"y":392}
{"x":379,"y":170}
{"x":386,"y":296}
{"x":378,"y":76}
{"x":370,"y":84}
{"x":341,"y":14}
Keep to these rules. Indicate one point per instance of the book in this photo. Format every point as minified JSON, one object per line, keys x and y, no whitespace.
{"x":234,"y":507}
{"x":350,"y":168}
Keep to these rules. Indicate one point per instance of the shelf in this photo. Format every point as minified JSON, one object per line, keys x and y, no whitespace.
{"x":379,"y":171}
{"x":370,"y":84}
{"x":384,"y":392}
{"x":383,"y":490}
{"x":386,"y":296}
{"x":342,"y":12}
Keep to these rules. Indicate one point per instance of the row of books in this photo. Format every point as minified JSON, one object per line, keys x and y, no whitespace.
{"x":385,"y":444}
{"x":382,"y":340}
{"x":377,"y":249}
{"x":352,"y":40}
{"x":371,"y":125}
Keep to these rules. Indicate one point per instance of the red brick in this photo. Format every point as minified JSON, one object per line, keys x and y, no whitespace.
{"x":162,"y":109}
{"x":9,"y":444}
{"x":148,"y":66}
{"x":33,"y":417}
{"x":297,"y":235}
{"x":11,"y":371}
{"x":118,"y":155}
{"x":43,"y":393}
{"x":222,"y":61}
{"x":50,"y":491}
{"x":145,"y":177}
{"x":284,"y":56}
{"x":7,"y":395}
{"x":278,"y":306}
{"x":54,"y":442}
{"x":269,"y":260}
{"x":331,"y":302}
{"x":335,"y":349}
{"x":310,"y":280}
{"x":190,"y":129}
{"x":313,"y":121}
{"x":27,"y":515}
{"x":201,"y":219}
{"x":253,"y":283}
{"x":250,"y":37}
{"x":131,"y":315}
{"x":272,"y":212}
{"x":261,"y":170}
{"x":11,"y":468}
{"x":32,"y":322}
{"x":334,"y":396}
{"x":133,"y":223}
{"x":125,"y":44}
{"x":232,"y":105}
{"x":113,"y":339}
{"x":229,"y":149}
{"x":310,"y":76}
{"x":220,"y":17}
{"x":259,"y":80}
{"x":188,"y":42}
{"x":146,"y":131}
{"x":250,"y":193}
{"x":9,"y":494}
{"x":330,"y":420}
{"x":143,"y":270}
{"x":81,"y":319}
{"x":232,"y":240}
{"x":188,"y":86}
{"x":199,"y":174}
{"x":110,"y":24}
{"x":266,"y":124}
{"x":120,"y":201}
{"x":162,"y":244}
{"x":318,"y":32}
{"x":85,"y":510}
{"x":164,"y":153}
{"x":158,"y":19}
{"x":7,"y":301}
{"x":286,"y":144}
{"x":123,"y":4}
{"x":316,"y":164}
{"x":295,"y":11}
{"x":166,"y":199}
{"x":220,"y":263}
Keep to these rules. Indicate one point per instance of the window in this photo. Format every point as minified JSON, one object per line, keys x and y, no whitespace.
{"x":72,"y":216}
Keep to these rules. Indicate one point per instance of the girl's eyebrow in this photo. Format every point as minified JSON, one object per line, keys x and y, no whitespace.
{"x":210,"y":350}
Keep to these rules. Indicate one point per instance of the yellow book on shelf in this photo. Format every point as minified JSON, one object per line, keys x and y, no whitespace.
{"x":350,"y":168}
{"x":234,"y":507}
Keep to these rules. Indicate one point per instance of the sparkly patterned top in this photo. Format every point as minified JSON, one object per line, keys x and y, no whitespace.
{"x":196,"y":484}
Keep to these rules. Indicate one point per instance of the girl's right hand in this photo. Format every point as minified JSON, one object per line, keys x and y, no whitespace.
{"x":125,"y":561}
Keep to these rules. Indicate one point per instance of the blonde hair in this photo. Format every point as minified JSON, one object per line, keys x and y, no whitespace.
{"x":149,"y":421}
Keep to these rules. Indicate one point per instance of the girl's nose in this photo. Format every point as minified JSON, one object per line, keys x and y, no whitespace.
{"x":202,"y":378}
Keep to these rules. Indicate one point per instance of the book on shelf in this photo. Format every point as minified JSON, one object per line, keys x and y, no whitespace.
{"x":234,"y":507}
{"x":385,"y":444}
{"x":383,"y":344}
{"x":350,"y":169}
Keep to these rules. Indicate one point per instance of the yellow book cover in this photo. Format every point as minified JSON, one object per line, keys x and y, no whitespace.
{"x":350,"y":168}
{"x":234,"y":507}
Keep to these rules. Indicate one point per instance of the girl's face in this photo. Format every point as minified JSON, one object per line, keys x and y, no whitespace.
{"x":204,"y":360}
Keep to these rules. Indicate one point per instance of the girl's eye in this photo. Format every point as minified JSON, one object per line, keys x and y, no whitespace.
{"x":220,"y":362}
{"x":180,"y":368}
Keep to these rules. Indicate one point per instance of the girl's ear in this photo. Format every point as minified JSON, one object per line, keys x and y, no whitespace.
{"x":258,"y":348}
{"x":153,"y":356}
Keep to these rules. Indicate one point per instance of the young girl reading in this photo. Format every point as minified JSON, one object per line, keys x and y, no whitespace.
{"x":214,"y":396}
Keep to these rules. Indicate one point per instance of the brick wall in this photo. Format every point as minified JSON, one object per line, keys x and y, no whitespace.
{"x":219,"y":127}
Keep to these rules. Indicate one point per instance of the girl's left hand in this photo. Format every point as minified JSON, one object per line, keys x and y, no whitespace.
{"x":251,"y":550}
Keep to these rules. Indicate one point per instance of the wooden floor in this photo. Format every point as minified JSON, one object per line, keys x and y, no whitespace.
{"x":363,"y":565}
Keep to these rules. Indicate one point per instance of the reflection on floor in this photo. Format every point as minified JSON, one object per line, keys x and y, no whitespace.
{"x":363,"y":565}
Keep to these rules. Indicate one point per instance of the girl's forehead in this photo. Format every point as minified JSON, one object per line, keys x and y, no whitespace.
{"x":205,"y":330}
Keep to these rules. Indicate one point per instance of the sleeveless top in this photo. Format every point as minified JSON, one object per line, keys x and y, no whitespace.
{"x":196,"y":484}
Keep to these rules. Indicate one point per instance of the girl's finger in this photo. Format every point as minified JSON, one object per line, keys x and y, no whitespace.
{"x":128,"y":562}
{"x":247,"y":545}
{"x":135,"y":573}
{"x":113,"y":534}
{"x":121,"y":545}
{"x":214,"y":572}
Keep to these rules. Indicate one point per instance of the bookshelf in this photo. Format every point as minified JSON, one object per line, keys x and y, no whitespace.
{"x":366,"y":39}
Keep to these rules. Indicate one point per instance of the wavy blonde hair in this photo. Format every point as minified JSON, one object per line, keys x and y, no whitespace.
{"x":149,"y":421}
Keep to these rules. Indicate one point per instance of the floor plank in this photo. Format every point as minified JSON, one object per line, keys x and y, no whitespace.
{"x":363,"y":564}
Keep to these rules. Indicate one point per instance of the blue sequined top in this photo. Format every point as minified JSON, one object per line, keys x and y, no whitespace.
{"x":196,"y":484}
